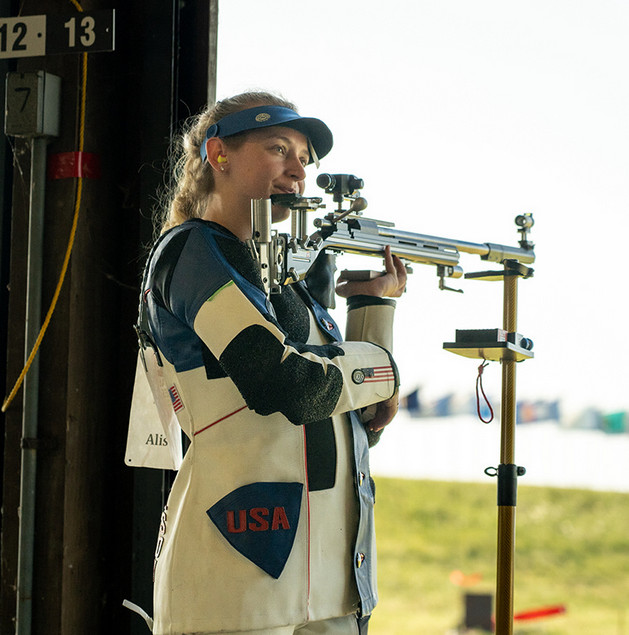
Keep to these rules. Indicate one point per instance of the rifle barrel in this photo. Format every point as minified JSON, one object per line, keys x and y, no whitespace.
{"x":369,"y":237}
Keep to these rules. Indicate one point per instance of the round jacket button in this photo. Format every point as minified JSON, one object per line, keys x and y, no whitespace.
{"x":358,"y":377}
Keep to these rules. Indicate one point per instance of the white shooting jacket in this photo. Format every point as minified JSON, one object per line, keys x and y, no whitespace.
{"x":270,"y":518}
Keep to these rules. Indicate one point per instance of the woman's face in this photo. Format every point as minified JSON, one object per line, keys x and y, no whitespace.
{"x":269,"y":161}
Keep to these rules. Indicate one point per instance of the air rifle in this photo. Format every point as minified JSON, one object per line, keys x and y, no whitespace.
{"x":284,"y":259}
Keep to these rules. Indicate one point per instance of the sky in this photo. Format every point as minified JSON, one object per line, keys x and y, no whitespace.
{"x":459,"y":116}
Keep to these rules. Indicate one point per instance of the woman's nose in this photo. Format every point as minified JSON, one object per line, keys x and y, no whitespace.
{"x":296,"y":168}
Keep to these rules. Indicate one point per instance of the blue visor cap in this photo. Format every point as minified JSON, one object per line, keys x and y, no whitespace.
{"x":319,"y":136}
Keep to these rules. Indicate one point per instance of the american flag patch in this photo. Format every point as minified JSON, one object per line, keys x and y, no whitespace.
{"x":372,"y":375}
{"x":380,"y":373}
{"x":175,"y":398}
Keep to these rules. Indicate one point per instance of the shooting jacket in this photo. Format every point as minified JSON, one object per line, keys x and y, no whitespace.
{"x":269,"y":521}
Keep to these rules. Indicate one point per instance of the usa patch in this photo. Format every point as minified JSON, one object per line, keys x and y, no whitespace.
{"x":260,"y":521}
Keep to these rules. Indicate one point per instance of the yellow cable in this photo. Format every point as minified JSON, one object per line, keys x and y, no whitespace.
{"x":66,"y":260}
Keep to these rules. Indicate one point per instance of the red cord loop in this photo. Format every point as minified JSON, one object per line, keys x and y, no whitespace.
{"x":479,"y":387}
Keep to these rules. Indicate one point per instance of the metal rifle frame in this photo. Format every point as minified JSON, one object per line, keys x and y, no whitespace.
{"x":285,"y":259}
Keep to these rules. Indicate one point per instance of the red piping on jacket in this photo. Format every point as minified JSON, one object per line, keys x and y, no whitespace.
{"x":308,"y":515}
{"x":231,"y":414}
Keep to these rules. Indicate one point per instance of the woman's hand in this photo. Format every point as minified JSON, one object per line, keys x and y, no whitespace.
{"x":390,"y":284}
{"x":385,"y":411}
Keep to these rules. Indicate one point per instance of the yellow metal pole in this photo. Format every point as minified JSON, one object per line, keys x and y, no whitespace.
{"x":507,"y":471}
{"x":483,"y":345}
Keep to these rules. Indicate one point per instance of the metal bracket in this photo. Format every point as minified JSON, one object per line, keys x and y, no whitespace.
{"x":507,"y":482}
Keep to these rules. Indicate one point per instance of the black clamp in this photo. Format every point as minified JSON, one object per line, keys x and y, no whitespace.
{"x":507,"y":474}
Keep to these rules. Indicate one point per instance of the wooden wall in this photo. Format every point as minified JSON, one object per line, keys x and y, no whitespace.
{"x":96,"y":519}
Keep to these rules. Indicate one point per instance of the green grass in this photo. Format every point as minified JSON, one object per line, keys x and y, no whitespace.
{"x":572,"y":548}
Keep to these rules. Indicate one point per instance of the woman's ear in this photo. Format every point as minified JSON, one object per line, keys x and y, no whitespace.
{"x":216,"y":153}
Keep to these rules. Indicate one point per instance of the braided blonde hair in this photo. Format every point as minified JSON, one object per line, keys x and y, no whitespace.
{"x":193,"y":181}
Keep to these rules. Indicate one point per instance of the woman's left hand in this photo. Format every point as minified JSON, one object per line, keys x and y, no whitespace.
{"x":390,"y":284}
{"x":384,"y":413}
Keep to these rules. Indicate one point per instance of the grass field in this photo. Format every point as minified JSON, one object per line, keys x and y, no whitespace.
{"x":572,"y":548}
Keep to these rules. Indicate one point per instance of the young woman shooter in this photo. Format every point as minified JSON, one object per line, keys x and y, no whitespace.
{"x":269,"y":524}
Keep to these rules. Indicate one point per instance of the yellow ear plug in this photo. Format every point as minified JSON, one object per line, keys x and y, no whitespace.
{"x":221,"y":158}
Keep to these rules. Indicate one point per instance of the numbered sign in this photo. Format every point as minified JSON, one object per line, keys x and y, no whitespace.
{"x":23,"y":37}
{"x":80,"y":32}
{"x":32,"y":104}
{"x":36,"y":35}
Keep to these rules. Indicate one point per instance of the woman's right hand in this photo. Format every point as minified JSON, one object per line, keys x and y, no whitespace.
{"x":390,"y":284}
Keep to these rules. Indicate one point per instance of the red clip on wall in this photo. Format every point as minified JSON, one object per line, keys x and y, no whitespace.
{"x":68,"y":165}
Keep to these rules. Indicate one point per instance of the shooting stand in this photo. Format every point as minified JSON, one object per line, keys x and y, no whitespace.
{"x":508,"y":347}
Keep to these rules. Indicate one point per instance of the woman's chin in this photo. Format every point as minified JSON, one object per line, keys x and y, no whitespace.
{"x":279,"y":214}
